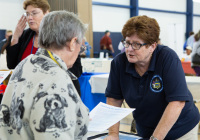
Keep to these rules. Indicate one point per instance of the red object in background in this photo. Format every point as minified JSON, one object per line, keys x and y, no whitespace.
{"x":187,"y":68}
{"x":2,"y":89}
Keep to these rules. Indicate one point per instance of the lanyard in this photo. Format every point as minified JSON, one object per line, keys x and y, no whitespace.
{"x":33,"y":44}
{"x":53,"y":58}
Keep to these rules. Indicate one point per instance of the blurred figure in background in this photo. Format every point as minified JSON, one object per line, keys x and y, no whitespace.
{"x":159,"y":42}
{"x":106,"y":44}
{"x":87,"y":48}
{"x":7,"y":34}
{"x":189,"y":41}
{"x":196,"y":49}
{"x":186,"y":57}
{"x":121,"y":47}
{"x":3,"y":53}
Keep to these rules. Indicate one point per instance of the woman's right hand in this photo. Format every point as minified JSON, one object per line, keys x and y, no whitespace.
{"x":21,"y":25}
{"x":111,"y":137}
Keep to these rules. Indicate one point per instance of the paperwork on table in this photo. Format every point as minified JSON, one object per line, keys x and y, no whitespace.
{"x":103,"y":116}
{"x":3,"y":75}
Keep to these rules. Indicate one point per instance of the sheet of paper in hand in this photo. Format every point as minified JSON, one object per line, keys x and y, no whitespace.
{"x":103,"y":116}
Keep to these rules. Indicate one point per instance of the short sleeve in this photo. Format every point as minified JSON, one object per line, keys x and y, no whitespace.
{"x":174,"y":82}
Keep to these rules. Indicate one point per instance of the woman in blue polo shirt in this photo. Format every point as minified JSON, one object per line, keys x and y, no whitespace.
{"x":150,"y":78}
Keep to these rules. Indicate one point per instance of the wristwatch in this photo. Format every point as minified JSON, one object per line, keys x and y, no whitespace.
{"x":153,"y":138}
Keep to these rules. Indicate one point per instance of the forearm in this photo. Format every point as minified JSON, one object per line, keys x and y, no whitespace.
{"x":170,"y":116}
{"x":111,"y":48}
{"x":14,"y":40}
{"x":114,"y":130}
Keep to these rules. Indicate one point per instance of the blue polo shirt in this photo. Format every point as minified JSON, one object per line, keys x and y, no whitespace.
{"x":163,"y":82}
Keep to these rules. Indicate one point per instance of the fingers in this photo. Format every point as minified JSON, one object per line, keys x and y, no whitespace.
{"x":22,"y":22}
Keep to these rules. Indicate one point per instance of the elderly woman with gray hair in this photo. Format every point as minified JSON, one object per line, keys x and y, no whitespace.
{"x":40,"y":101}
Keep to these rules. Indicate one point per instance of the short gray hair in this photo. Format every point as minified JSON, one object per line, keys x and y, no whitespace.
{"x":59,"y":27}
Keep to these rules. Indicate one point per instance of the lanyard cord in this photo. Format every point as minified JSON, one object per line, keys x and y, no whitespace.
{"x":53,"y":58}
{"x":33,"y":44}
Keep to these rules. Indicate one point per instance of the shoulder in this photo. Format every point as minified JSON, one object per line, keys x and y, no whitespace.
{"x":120,"y":59}
{"x":166,"y":52}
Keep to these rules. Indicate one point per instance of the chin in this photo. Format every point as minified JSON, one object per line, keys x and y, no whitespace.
{"x":131,"y":60}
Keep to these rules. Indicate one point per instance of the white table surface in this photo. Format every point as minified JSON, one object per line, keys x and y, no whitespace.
{"x":99,"y":83}
{"x":95,"y":64}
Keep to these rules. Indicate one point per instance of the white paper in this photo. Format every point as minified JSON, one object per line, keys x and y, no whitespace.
{"x":104,"y":116}
{"x":3,"y":75}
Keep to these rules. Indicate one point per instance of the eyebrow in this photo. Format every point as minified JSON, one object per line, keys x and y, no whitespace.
{"x":31,"y":11}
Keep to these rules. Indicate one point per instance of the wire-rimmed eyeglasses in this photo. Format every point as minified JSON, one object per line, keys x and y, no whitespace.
{"x":134,"y":45}
{"x":33,"y":14}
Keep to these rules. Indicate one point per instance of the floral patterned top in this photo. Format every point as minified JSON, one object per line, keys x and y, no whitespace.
{"x":41,"y":102}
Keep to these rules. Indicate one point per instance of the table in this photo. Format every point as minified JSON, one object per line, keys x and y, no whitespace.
{"x":187,"y":68}
{"x":96,"y":64}
{"x":99,"y":84}
{"x":88,"y":98}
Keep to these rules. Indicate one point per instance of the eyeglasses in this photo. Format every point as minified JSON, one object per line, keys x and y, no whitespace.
{"x":135,"y":46}
{"x":33,"y":14}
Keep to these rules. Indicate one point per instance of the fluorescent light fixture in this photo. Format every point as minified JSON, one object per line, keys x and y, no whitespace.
{"x":196,"y":1}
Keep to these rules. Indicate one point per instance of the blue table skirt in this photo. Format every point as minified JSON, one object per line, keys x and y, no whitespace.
{"x":88,"y":98}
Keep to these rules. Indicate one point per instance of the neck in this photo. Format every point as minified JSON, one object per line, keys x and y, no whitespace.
{"x":62,"y":54}
{"x":141,"y":68}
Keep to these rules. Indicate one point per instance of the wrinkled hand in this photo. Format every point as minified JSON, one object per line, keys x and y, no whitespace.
{"x":21,"y":25}
{"x":112,"y":137}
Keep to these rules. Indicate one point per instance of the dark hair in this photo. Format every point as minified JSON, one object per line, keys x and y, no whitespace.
{"x":6,"y":44}
{"x":144,"y":27}
{"x":191,"y":33}
{"x":197,"y":36}
{"x":42,"y":4}
{"x":107,"y":31}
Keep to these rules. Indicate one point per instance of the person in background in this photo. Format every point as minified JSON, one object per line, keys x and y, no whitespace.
{"x":106,"y":44}
{"x":159,"y":42}
{"x":196,"y":49}
{"x":86,"y":51}
{"x":3,"y":62}
{"x":150,"y":78}
{"x":76,"y":69}
{"x":25,"y":42}
{"x":189,"y":41}
{"x":7,"y":35}
{"x":121,"y":47}
{"x":40,"y":101}
{"x":187,"y":55}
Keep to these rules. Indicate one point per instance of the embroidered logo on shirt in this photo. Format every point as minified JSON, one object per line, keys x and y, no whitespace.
{"x":156,"y":84}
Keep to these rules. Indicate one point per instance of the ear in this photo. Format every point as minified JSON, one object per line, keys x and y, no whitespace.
{"x":153,"y":47}
{"x":72,"y":44}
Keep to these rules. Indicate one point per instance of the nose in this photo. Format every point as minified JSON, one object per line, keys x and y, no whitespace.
{"x":29,"y":16}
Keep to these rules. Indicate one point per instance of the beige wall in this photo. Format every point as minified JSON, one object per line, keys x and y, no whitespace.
{"x":84,"y":8}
